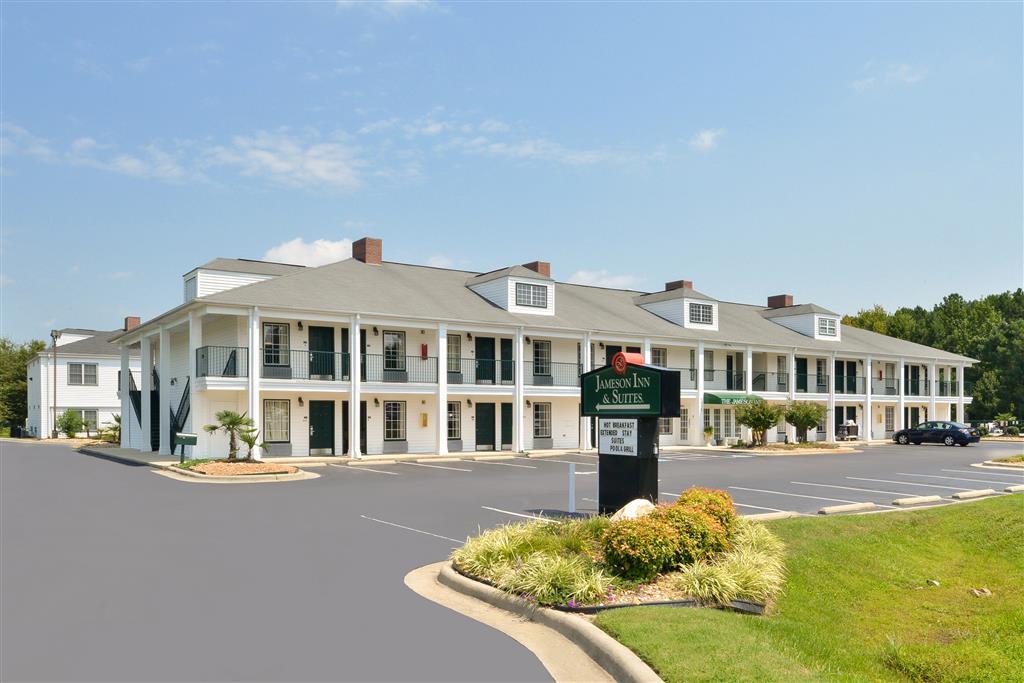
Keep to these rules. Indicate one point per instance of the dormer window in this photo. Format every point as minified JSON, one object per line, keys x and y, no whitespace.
{"x":534,"y":296}
{"x":702,"y":314}
{"x":827,"y":327}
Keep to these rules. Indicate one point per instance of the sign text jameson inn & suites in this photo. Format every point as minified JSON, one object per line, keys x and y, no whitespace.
{"x":628,"y":397}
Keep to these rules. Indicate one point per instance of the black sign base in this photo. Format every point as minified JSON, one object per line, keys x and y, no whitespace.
{"x":622,"y":479}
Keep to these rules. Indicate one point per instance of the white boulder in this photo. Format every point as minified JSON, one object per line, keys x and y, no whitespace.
{"x":634,"y":509}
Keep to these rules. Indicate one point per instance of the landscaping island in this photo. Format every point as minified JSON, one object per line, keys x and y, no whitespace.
{"x":235,"y":468}
{"x":929,"y":595}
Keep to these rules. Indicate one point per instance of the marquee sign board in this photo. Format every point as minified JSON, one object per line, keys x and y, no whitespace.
{"x":617,"y":436}
{"x":629,"y":389}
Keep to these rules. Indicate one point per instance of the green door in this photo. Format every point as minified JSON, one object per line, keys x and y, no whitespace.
{"x":485,"y":426}
{"x":801,"y":374}
{"x":321,"y":427}
{"x":506,"y":425}
{"x":321,"y":352}
{"x":506,"y":361}
{"x":485,"y":360}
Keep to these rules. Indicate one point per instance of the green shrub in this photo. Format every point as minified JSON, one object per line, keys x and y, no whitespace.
{"x":715,"y":502}
{"x":557,"y":580}
{"x":700,"y":536}
{"x":710,"y":584}
{"x":489,"y":555}
{"x":576,"y":535}
{"x":70,"y":423}
{"x":755,"y":537}
{"x":639,"y":549}
{"x":1013,"y":430}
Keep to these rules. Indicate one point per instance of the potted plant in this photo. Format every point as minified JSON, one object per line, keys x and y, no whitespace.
{"x":709,"y":433}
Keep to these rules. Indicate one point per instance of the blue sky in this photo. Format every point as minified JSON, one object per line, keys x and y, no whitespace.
{"x":849,"y":154}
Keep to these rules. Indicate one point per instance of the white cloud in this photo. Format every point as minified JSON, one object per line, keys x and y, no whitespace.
{"x":378,"y":126}
{"x":707,"y":139}
{"x":391,"y":7}
{"x":16,"y":140}
{"x":893,"y":74}
{"x":91,"y":68}
{"x":602,"y":278}
{"x":291,"y":161}
{"x":5,"y":280}
{"x":535,"y":149}
{"x":863,"y":83}
{"x":153,"y":163}
{"x":440,"y":261}
{"x":494,"y":126}
{"x":315,"y":253}
{"x":904,"y":73}
{"x":121,"y":275}
{"x":140,"y":65}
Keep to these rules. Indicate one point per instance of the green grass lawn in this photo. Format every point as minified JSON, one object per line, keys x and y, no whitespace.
{"x":1011,"y":458}
{"x":857,"y":607}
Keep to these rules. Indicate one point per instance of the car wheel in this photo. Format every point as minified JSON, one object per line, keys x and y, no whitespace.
{"x":902,"y":439}
{"x":949,"y":441}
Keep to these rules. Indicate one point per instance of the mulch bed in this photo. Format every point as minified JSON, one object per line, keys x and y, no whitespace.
{"x":231,"y":469}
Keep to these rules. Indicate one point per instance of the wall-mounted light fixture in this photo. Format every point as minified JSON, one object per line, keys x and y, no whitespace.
{"x":376,"y":403}
{"x":376,"y":332}
{"x":174,"y":380}
{"x":469,"y":402}
{"x":469,"y":336}
{"x":601,"y":344}
{"x":528,"y":404}
{"x":300,"y":326}
{"x":301,"y":403}
{"x":527,"y":340}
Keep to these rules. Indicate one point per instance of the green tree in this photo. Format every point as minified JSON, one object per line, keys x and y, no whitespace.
{"x":14,"y":360}
{"x":805,"y":415}
{"x":251,"y":439}
{"x":760,"y":416}
{"x":70,"y":423}
{"x":111,"y":431}
{"x":875,"y":319}
{"x":234,"y":425}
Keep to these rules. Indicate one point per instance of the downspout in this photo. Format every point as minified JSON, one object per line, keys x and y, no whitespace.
{"x":54,"y":335}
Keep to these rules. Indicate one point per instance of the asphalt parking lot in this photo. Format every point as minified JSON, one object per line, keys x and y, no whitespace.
{"x":110,"y":572}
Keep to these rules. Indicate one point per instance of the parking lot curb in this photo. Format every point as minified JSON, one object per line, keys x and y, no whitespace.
{"x":993,"y":465}
{"x":917,"y":500}
{"x":1017,"y":488}
{"x":619,"y":661}
{"x":978,"y":493}
{"x":849,"y":507}
{"x":769,"y":516}
{"x":487,"y":458}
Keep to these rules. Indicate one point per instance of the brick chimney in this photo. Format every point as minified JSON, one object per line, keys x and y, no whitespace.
{"x":131,"y":322}
{"x":542,"y":267}
{"x":780,"y":301}
{"x":678,"y":284}
{"x":368,"y":250}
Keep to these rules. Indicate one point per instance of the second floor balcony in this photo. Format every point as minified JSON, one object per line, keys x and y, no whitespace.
{"x":551,"y":374}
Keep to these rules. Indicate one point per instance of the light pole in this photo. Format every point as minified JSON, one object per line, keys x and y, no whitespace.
{"x":54,"y":335}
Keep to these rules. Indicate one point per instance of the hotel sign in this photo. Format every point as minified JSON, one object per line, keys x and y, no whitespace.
{"x":629,"y":389}
{"x":617,"y":437}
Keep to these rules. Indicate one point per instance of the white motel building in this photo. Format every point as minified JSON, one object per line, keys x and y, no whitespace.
{"x":366,"y":356}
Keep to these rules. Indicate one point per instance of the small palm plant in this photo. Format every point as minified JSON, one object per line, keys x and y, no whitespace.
{"x":234,"y":425}
{"x":111,"y":430}
{"x":251,"y":438}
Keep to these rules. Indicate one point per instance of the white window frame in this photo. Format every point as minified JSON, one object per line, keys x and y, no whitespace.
{"x":393,"y":361}
{"x":81,"y":414}
{"x":664,"y":426}
{"x":394,"y":413}
{"x":542,"y":420}
{"x":828,"y":327}
{"x":531,"y":295}
{"x":455,"y":353}
{"x":700,"y":308}
{"x":81,"y":374}
{"x":684,"y":424}
{"x":890,"y":419}
{"x":542,"y":357}
{"x":277,"y":349}
{"x":454,"y":420}
{"x":271,"y":432}
{"x":659,"y":356}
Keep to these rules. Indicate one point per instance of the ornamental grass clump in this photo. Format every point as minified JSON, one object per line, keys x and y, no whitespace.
{"x":716,"y":503}
{"x":639,"y":549}
{"x":708,"y":583}
{"x":758,"y":575}
{"x":557,"y":580}
{"x":490,"y":555}
{"x":756,"y":537}
{"x":698,"y":535}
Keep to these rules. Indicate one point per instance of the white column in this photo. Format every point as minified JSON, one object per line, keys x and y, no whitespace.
{"x":197,"y":398}
{"x":255,"y":370}
{"x":931,"y":391}
{"x":791,"y":384}
{"x":146,"y":389}
{"x":165,"y":391}
{"x":902,"y":393}
{"x":442,"y":389}
{"x":585,"y":362}
{"x":830,"y":420}
{"x":960,"y":416}
{"x":700,"y":392}
{"x":869,"y":419}
{"x":518,"y":394}
{"x":748,"y":370}
{"x":355,"y":363}
{"x":647,"y":350}
{"x":126,"y":402}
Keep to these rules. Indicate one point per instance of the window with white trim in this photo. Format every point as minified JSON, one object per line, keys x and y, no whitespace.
{"x":454,"y":419}
{"x":394,"y":350}
{"x":718,"y":423}
{"x":702,"y":314}
{"x":83,"y":374}
{"x":534,"y":296}
{"x":541,"y":357}
{"x":827,"y":327}
{"x":88,"y":416}
{"x":890,"y":419}
{"x":684,"y":424}
{"x":542,"y":420}
{"x":821,"y":427}
{"x":455,"y":353}
{"x":659,"y":356}
{"x":394,"y":420}
{"x":707,"y":418}
{"x":277,"y":420}
{"x":275,"y":344}
{"x":665,"y":426}
{"x":780,"y":428}
{"x":728,"y":433}
{"x":709,"y":365}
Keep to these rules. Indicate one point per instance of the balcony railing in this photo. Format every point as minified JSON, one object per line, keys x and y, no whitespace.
{"x":313,"y":365}
{"x":811,"y":383}
{"x":771,"y":381}
{"x":723,"y":379}
{"x":481,"y":371}
{"x":885,"y":386}
{"x":222,"y":361}
{"x":379,"y":368}
{"x":551,"y":374}
{"x":848,"y":384}
{"x":916,"y":388}
{"x":947,"y":388}
{"x":687,"y":377}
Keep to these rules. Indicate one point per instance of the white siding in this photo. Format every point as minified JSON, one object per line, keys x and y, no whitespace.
{"x":213,"y":281}
{"x":510,"y":296}
{"x":565,"y":423}
{"x":103,"y":397}
{"x":670,"y":309}
{"x":35,"y":397}
{"x":420,"y":439}
{"x":495,"y":291}
{"x":68,"y":337}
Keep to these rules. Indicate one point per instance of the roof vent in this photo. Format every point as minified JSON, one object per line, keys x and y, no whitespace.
{"x":780,"y":301}
{"x":368,"y":250}
{"x":678,"y":284}
{"x":131,"y":322}
{"x":542,"y":267}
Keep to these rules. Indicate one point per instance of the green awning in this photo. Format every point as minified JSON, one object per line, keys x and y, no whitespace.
{"x":730,"y":399}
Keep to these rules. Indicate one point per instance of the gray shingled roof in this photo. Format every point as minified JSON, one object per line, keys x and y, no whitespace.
{"x":242,"y":265}
{"x":799,"y":309}
{"x":421,"y":292}
{"x":513,"y":271}
{"x":668,"y":294}
{"x":97,"y":345}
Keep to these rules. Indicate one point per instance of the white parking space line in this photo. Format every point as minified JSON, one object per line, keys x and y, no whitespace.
{"x":360,"y":468}
{"x":564,"y":462}
{"x":666,"y":493}
{"x":579,"y":474}
{"x":757,"y":507}
{"x":911,"y":483}
{"x":796,"y":495}
{"x":503,"y":464}
{"x":988,"y":473}
{"x":409,"y":528}
{"x":851,"y":488}
{"x":936,"y":476}
{"x":517,"y":514}
{"x":436,"y":467}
